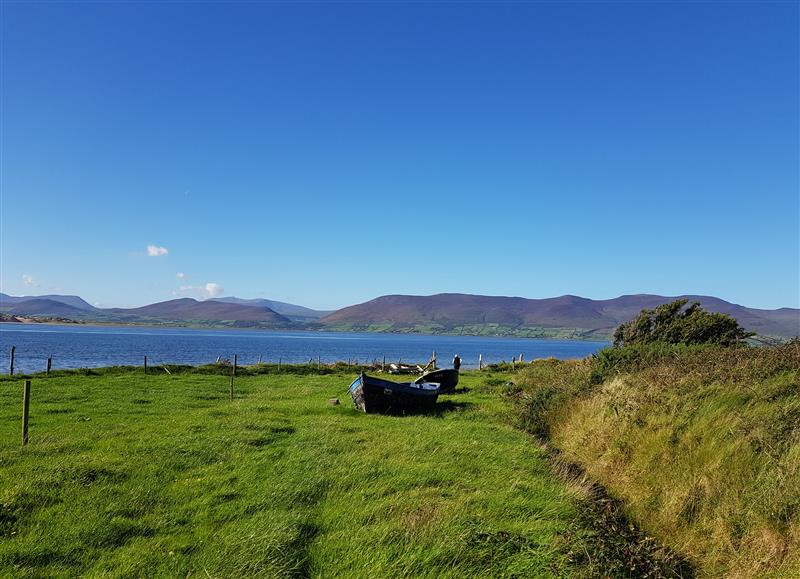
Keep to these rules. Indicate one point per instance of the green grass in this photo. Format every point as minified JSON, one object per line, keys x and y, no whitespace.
{"x":702,"y":444}
{"x":127,"y":475}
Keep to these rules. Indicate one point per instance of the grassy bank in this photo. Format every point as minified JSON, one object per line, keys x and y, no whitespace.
{"x":164,"y":475}
{"x":701,"y":444}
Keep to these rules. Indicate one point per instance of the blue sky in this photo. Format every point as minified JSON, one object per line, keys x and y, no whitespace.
{"x":328,"y":153}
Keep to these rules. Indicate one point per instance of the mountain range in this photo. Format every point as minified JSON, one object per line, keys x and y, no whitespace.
{"x":591,"y":317}
{"x":73,"y":301}
{"x":565,"y":316}
{"x":214,"y":311}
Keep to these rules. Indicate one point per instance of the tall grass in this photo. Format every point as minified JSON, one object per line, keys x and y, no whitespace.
{"x":702,"y":445}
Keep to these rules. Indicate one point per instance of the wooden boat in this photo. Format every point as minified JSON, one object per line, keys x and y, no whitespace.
{"x":376,"y":395}
{"x":446,"y":378}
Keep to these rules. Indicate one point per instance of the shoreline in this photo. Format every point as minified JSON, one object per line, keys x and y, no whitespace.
{"x":100,"y":324}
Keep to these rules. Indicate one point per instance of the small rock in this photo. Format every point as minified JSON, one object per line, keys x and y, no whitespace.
{"x":333,"y":401}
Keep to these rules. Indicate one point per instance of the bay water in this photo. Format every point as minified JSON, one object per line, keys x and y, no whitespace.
{"x":86,"y":346}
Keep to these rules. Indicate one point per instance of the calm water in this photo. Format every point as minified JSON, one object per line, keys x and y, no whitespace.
{"x":93,"y":346}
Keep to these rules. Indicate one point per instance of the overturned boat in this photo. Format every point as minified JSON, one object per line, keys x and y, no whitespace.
{"x":446,"y":378}
{"x":376,"y":395}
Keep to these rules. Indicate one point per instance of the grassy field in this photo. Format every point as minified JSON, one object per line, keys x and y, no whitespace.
{"x":472,"y":330}
{"x":702,"y":445}
{"x":132,"y":475}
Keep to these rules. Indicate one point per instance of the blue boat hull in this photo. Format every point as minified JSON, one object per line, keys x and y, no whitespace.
{"x":383,"y":396}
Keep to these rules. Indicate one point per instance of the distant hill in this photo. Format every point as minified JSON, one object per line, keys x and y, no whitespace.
{"x":46,"y":307}
{"x":74,"y":301}
{"x":174,"y":311}
{"x":448,"y":312}
{"x":292,"y":311}
{"x":780,"y":322}
{"x":187,"y":309}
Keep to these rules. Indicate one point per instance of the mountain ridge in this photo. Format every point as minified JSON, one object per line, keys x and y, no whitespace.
{"x":46,"y":307}
{"x":398,"y":311}
{"x":567,"y":316}
{"x":70,"y":300}
{"x":176,"y":311}
{"x":291,"y":311}
{"x":192,"y":309}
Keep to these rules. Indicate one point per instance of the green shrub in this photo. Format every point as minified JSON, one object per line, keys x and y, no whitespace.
{"x":673,"y":323}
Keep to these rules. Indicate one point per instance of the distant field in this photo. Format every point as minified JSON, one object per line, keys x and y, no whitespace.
{"x":162,"y":474}
{"x":487,"y":330}
{"x":474,"y":330}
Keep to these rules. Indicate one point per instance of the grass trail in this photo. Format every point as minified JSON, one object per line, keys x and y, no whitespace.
{"x":163,"y":475}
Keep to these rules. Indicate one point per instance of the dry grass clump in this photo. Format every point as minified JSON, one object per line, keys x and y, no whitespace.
{"x":702,"y":445}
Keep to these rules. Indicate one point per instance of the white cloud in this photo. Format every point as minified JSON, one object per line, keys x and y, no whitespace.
{"x":180,"y":275}
{"x":214,"y":290}
{"x":156,"y":250}
{"x":27,"y":279}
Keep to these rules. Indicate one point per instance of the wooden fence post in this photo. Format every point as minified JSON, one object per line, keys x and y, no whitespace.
{"x":260,"y":357}
{"x":49,"y":364}
{"x":480,"y":361}
{"x":280,"y":361}
{"x":145,"y":364}
{"x":434,"y":360}
{"x":318,"y":363}
{"x":26,"y":403}
{"x":383,"y":364}
{"x":11,"y":367}
{"x":233,"y":374}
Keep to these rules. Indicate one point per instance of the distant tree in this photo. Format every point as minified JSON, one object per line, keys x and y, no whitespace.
{"x":673,"y":323}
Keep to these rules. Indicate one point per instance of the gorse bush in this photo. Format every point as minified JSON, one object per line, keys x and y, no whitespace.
{"x":673,"y":323}
{"x":665,"y":333}
{"x":665,"y":363}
